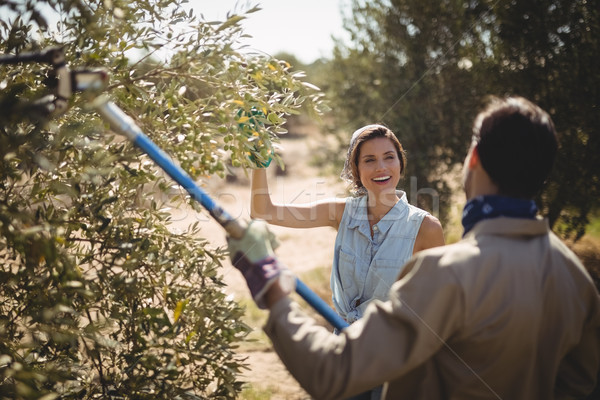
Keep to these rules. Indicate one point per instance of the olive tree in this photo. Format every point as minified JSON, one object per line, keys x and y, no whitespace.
{"x":425,"y":68}
{"x":99,"y":297}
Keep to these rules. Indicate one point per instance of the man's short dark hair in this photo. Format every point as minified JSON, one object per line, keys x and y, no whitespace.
{"x":517,"y":144}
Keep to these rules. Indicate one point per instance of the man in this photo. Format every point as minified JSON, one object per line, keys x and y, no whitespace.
{"x":508,"y":312}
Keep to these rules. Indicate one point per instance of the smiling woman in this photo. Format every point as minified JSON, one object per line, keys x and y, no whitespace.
{"x":304,"y":29}
{"x":377,"y":229}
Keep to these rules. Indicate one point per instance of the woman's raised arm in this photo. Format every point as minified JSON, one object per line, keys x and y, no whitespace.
{"x":307,"y":215}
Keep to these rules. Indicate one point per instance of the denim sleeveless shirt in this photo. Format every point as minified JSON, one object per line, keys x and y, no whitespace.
{"x":365,"y":266}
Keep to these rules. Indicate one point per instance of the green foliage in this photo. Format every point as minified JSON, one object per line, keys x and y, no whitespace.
{"x":251,"y":393}
{"x":594,"y":227}
{"x":100,"y":298}
{"x":424,"y":69}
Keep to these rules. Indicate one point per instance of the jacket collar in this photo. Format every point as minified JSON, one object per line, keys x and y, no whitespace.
{"x":505,"y":226}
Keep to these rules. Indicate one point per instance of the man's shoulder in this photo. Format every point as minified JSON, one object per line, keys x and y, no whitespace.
{"x":463,"y":252}
{"x":444,"y":263}
{"x":560,"y":250}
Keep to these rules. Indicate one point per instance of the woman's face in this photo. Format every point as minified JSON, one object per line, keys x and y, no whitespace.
{"x":379,"y":165}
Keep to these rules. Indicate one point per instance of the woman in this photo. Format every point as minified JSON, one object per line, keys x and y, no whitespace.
{"x":378,"y":231}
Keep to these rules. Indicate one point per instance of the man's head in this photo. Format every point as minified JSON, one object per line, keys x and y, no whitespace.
{"x":514,"y":143}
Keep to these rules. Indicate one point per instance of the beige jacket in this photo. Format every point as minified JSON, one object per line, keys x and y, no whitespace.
{"x":509,"y":312}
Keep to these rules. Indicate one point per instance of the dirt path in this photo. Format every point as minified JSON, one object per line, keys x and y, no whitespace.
{"x":302,"y":250}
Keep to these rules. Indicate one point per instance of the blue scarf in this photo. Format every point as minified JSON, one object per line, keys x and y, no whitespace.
{"x":487,"y":207}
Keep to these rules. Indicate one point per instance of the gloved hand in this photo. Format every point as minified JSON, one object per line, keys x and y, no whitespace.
{"x":254,"y":256}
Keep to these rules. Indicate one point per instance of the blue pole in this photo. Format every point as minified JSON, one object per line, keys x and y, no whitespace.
{"x":320,"y":306}
{"x":125,"y":125}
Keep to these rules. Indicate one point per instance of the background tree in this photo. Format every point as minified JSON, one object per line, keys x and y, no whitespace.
{"x":548,"y":52}
{"x":424,"y":69}
{"x":99,"y":298}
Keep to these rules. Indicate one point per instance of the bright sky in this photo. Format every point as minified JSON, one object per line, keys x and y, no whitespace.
{"x":302,"y":28}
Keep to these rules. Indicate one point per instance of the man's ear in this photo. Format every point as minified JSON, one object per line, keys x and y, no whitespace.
{"x":474,"y":159}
